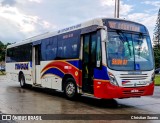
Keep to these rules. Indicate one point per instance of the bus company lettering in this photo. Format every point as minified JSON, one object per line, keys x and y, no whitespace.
{"x":70,"y":28}
{"x":21,"y":66}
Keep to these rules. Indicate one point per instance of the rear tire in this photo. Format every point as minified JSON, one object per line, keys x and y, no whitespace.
{"x":22,"y":81}
{"x":70,"y":89}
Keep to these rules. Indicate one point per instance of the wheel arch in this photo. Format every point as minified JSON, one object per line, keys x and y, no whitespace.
{"x":66,"y":76}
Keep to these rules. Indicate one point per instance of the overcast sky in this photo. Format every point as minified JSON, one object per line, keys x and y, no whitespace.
{"x":21,"y":19}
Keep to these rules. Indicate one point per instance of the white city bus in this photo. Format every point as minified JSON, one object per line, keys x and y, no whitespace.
{"x":104,"y":58}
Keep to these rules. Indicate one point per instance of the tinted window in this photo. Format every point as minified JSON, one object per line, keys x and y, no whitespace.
{"x":21,"y":53}
{"x":98,"y":50}
{"x":93,"y":48}
{"x":68,"y":48}
{"x":49,"y":48}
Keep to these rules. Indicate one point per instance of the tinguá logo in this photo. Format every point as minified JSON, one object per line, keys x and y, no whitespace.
{"x":22,"y":66}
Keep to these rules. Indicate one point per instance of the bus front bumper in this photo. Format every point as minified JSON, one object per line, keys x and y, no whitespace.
{"x":106,"y":90}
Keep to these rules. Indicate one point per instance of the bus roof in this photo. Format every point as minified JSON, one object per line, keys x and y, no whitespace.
{"x":97,"y":21}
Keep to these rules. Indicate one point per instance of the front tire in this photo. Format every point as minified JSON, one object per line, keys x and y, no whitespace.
{"x":22,"y":81}
{"x":70,"y":89}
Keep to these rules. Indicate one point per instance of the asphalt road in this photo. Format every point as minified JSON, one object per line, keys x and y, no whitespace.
{"x":15,"y":100}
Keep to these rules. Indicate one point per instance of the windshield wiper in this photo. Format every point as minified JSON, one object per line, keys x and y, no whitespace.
{"x":124,"y":39}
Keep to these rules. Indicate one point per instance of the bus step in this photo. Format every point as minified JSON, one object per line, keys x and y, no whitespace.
{"x":37,"y":85}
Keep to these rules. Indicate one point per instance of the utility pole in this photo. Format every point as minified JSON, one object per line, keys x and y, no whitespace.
{"x":117,"y":8}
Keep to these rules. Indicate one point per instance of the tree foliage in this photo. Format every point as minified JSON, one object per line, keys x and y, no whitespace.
{"x":156,"y":37}
{"x":157,"y":56}
{"x":156,"y":40}
{"x":3,"y":50}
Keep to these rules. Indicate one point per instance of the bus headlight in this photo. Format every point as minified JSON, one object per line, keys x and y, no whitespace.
{"x":152,"y":77}
{"x":151,"y":80}
{"x":113,"y":79}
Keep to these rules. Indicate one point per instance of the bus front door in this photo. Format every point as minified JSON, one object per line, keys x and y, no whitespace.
{"x":89,"y":50}
{"x":36,"y":64}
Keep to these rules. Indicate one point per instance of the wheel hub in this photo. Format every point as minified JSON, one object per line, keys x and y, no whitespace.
{"x":70,"y":89}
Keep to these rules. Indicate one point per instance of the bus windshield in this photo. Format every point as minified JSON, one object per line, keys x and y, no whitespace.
{"x":128,"y":51}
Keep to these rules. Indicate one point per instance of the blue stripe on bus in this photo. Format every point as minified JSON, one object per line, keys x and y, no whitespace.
{"x":101,"y":73}
{"x":76,"y":63}
{"x":54,"y":71}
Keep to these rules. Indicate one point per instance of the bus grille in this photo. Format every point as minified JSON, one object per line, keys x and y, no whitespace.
{"x":133,"y":77}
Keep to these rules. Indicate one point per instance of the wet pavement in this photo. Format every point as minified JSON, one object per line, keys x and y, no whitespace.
{"x":15,"y":100}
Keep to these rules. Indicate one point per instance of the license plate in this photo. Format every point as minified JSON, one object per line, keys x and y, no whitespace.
{"x":133,"y":91}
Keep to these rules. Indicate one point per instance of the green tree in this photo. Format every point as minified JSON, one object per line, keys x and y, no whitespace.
{"x":156,"y":37}
{"x":156,"y":40}
{"x":3,"y":50}
{"x":157,"y":55}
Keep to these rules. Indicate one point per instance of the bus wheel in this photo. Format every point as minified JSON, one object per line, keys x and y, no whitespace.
{"x":22,"y":81}
{"x":70,"y":89}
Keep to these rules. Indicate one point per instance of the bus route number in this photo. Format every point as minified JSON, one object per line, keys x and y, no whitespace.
{"x":119,"y":62}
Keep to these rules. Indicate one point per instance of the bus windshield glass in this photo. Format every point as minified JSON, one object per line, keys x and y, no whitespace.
{"x":128,"y":51}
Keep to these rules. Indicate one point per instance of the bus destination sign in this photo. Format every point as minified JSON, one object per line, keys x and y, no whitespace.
{"x":124,"y":26}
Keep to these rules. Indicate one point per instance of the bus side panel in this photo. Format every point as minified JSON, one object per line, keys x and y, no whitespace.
{"x":51,"y":75}
{"x":52,"y":72}
{"x":13,"y":70}
{"x":76,"y":71}
{"x":12,"y":74}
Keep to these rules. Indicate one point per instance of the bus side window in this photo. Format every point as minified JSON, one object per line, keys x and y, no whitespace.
{"x":60,"y":49}
{"x":49,"y":48}
{"x":14,"y":54}
{"x":68,"y":49}
{"x":38,"y":54}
